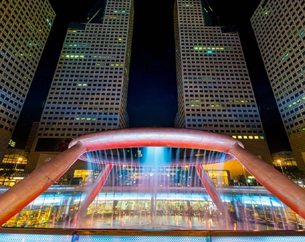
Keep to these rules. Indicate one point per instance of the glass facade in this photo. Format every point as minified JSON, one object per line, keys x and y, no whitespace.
{"x":162,"y":208}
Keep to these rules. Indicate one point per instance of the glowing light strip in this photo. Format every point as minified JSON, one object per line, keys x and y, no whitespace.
{"x":94,"y":15}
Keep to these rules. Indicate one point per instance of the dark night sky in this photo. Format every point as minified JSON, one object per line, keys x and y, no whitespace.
{"x":152,"y":95}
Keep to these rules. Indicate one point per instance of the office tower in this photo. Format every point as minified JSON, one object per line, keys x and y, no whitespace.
{"x":24,"y":30}
{"x":279,"y":30}
{"x":214,"y":89}
{"x":88,"y":92}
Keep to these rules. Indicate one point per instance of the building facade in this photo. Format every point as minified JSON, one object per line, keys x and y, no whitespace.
{"x":24,"y":30}
{"x":214,"y":88}
{"x":284,"y":158}
{"x":279,"y":30}
{"x":88,"y":92}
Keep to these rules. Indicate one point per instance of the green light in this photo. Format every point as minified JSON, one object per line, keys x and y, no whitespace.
{"x":49,"y":22}
{"x":283,"y":58}
{"x":210,"y":52}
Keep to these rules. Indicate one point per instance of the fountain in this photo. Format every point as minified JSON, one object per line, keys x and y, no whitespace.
{"x":216,"y":147}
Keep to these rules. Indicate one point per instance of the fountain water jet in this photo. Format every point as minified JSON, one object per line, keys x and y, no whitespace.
{"x":20,"y":195}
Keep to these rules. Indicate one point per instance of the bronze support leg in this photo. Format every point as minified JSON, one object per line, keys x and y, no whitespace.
{"x":95,"y":189}
{"x":24,"y":192}
{"x":211,"y":190}
{"x":274,"y":181}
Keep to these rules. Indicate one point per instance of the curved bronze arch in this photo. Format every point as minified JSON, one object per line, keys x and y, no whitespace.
{"x":168,"y":137}
{"x":20,"y":195}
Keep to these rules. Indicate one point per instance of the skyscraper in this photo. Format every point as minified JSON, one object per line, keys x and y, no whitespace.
{"x":24,"y":30}
{"x":279,"y":27}
{"x":214,"y":88}
{"x":88,"y":92}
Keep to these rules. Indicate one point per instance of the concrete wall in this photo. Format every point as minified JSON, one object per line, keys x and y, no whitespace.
{"x":5,"y":137}
{"x":297,"y":143}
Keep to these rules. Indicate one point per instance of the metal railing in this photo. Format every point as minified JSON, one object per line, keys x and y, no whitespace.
{"x":77,"y":188}
{"x":73,"y":235}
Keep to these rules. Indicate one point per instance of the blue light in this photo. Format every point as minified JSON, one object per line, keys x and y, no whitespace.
{"x":156,"y":155}
{"x":209,"y":52}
